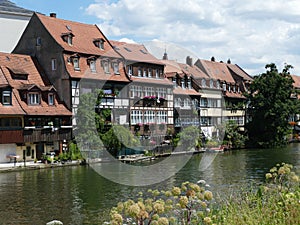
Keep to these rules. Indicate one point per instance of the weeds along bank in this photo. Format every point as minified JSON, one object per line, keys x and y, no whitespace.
{"x":276,"y":202}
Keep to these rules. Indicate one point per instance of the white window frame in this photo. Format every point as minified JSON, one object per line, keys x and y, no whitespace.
{"x":50,"y":99}
{"x":106,"y":66}
{"x":93,"y":65}
{"x":75,"y":61}
{"x":116,"y":68}
{"x":6,"y":98}
{"x":34,"y":98}
{"x":130,"y":70}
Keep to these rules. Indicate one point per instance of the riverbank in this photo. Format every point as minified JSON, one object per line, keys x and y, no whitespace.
{"x":31,"y":165}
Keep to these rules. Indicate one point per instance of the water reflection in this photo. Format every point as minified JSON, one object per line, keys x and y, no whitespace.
{"x":78,"y":195}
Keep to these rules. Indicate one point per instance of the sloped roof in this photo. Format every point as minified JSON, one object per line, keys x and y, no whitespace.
{"x":10,"y":7}
{"x":192,"y":70}
{"x":135,"y":52}
{"x":296,"y":79}
{"x":151,"y":81}
{"x":15,"y":108}
{"x":99,"y":74}
{"x":239,"y":71}
{"x":84,"y":36}
{"x":25,"y":63}
{"x":216,"y":70}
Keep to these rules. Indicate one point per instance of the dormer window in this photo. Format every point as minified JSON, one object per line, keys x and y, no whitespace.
{"x":211,"y":83}
{"x":116,"y":67}
{"x":130,"y":70}
{"x":68,"y":37}
{"x":203,"y":82}
{"x":224,"y":86}
{"x":92,"y":63}
{"x":6,"y":98}
{"x":149,"y":72}
{"x":218,"y":84}
{"x":50,"y":99}
{"x":99,"y":43}
{"x":75,"y":61}
{"x":140,"y":72}
{"x":34,"y":98}
{"x":157,"y":73}
{"x":145,"y":73}
{"x":105,"y":65}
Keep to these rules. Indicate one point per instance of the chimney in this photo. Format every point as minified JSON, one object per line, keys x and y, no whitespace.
{"x":53,"y":15}
{"x":213,"y":59}
{"x":189,"y":61}
{"x":229,"y":61}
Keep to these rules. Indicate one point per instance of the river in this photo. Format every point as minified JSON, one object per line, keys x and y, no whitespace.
{"x":79,"y":195}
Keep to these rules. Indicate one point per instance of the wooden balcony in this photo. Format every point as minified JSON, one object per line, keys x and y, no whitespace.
{"x":11,"y":136}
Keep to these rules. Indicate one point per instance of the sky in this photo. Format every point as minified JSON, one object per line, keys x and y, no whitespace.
{"x":251,"y":33}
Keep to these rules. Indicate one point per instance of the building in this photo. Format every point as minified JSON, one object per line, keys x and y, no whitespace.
{"x":13,"y":20}
{"x":77,"y":58}
{"x":33,"y":120}
{"x":150,"y":93}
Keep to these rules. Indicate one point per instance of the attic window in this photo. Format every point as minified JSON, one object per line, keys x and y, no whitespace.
{"x":92,"y":63}
{"x":68,"y":37}
{"x":142,"y":51}
{"x":18,"y":74}
{"x":34,"y":98}
{"x":99,"y":42}
{"x":6,"y":97}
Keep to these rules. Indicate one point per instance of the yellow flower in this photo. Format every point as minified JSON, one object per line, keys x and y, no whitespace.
{"x":117,"y":218}
{"x":163,"y":221}
{"x":183,"y":201}
{"x":268,"y":175}
{"x":208,"y":195}
{"x":207,"y":220}
{"x":134,"y":210}
{"x":176,"y":191}
{"x":158,"y":207}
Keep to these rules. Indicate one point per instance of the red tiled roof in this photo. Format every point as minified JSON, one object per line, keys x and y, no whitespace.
{"x":217,"y":70}
{"x":85,"y":71}
{"x":135,"y":52}
{"x":180,"y":91}
{"x":296,"y":79}
{"x":164,"y":81}
{"x":25,"y":64}
{"x":15,"y":108}
{"x":239,"y":71}
{"x":84,"y":36}
{"x":234,"y":95}
{"x":192,"y":70}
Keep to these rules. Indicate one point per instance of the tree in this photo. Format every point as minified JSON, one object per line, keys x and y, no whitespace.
{"x":233,"y":138}
{"x":270,"y":107}
{"x":117,"y":138}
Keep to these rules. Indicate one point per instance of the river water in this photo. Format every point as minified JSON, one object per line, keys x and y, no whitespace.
{"x":79,"y":195}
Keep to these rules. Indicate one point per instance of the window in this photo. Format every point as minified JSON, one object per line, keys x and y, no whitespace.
{"x":76,"y":63}
{"x":140,"y":72}
{"x":145,"y":73}
{"x":93,"y":65}
{"x":203,"y":82}
{"x":51,"y":99}
{"x":149,"y":72}
{"x":130,"y":70}
{"x":211,"y":83}
{"x":53,"y":64}
{"x":116,"y":68}
{"x":6,"y":97}
{"x":136,"y":117}
{"x":33,"y":98}
{"x":186,"y":103}
{"x":106,"y":66}
{"x":177,"y":102}
{"x":157,"y":73}
{"x":38,"y":41}
{"x":70,"y":39}
{"x":101,"y":44}
{"x":218,"y":84}
{"x":224,"y":86}
{"x":161,"y":117}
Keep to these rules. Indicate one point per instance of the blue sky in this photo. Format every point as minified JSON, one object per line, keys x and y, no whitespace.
{"x":252,"y":33}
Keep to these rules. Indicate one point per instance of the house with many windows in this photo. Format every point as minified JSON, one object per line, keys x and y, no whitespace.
{"x":77,"y":58}
{"x":149,"y":92}
{"x":33,"y":120}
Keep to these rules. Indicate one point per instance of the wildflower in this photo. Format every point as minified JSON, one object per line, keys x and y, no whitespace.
{"x":168,"y":193}
{"x":190,"y":193}
{"x":158,"y":207}
{"x":268,"y":176}
{"x":195,"y":187}
{"x":208,"y":195}
{"x":134,"y":210}
{"x":163,"y":221}
{"x":176,"y":191}
{"x":183,"y":201}
{"x":295,"y":178}
{"x":207,"y":220}
{"x":117,"y":219}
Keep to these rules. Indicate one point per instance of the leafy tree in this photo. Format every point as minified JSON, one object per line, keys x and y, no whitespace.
{"x":270,"y":107}
{"x":117,"y":138}
{"x":88,"y":122}
{"x":232,"y":135}
{"x":189,"y":138}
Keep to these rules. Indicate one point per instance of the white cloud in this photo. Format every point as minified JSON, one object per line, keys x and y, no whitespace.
{"x":252,"y":33}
